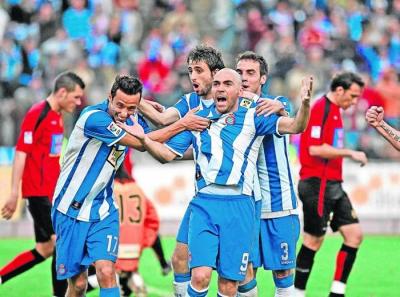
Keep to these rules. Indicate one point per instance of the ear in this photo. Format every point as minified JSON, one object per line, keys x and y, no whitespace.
{"x":263,"y":79}
{"x":62,"y":92}
{"x":339,"y":90}
{"x":241,"y":92}
{"x":214,"y":72}
{"x":110,"y":97}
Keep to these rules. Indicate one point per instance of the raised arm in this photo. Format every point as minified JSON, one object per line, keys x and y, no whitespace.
{"x":374,"y":117}
{"x":298,"y":124}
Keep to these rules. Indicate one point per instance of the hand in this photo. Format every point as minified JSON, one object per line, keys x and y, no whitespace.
{"x":359,"y":156}
{"x":374,"y":116}
{"x":157,"y":106}
{"x":9,"y":208}
{"x":194,"y":122}
{"x":267,"y":106}
{"x":306,"y":89}
{"x":136,"y":130}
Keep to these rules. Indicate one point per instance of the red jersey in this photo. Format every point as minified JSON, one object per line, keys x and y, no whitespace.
{"x":42,"y":142}
{"x":317,"y":133}
{"x":139,"y":224}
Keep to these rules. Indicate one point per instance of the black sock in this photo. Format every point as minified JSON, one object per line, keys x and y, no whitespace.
{"x":344,"y":262}
{"x":304,"y":263}
{"x":157,"y":247}
{"x":123,"y":283}
{"x":20,"y":264}
{"x":59,"y":286}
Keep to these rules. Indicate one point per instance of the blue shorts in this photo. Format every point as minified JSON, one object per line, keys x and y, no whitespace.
{"x":255,"y":257}
{"x":278,"y":242}
{"x":80,"y":243}
{"x":221,"y":229}
{"x":183,"y":230}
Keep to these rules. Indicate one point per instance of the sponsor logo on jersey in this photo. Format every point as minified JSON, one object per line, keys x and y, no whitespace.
{"x":28,"y":137}
{"x":316,"y":132}
{"x":114,"y":129}
{"x":246,"y":103}
{"x":61,"y":270}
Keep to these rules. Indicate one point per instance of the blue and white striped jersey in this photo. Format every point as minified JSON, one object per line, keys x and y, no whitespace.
{"x":275,"y":184}
{"x":84,"y":188}
{"x":226,"y":152}
{"x":190,"y":101}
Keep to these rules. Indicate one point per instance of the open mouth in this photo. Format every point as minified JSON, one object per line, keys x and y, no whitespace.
{"x":245,"y":87}
{"x":221,"y":99}
{"x":195,"y":85}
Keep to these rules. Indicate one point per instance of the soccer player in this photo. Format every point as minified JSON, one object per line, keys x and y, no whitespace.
{"x":320,"y":187}
{"x":374,"y":117}
{"x":203,"y":62}
{"x":222,"y":215}
{"x":139,"y":226}
{"x":36,"y":164}
{"x":84,"y":214}
{"x":279,"y":223}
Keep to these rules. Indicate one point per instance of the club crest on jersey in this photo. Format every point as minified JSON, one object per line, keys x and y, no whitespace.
{"x":230,"y":119}
{"x":114,"y":129}
{"x":246,"y":103}
{"x":61,"y":270}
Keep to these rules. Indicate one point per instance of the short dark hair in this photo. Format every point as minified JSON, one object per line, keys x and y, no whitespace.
{"x":67,"y":80}
{"x":345,"y":80}
{"x":249,"y":55}
{"x":208,"y":55}
{"x":128,"y":84}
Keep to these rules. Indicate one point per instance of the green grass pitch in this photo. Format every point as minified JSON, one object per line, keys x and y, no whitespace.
{"x":376,"y":272}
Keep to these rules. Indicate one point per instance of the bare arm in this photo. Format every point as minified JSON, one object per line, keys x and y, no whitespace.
{"x":158,"y":118}
{"x":298,"y":124}
{"x":158,"y":150}
{"x":374,"y":117}
{"x":17,"y":170}
{"x":327,"y":151}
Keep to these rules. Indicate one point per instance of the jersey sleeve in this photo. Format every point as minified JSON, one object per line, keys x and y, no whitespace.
{"x":142,"y":122}
{"x":182,"y":106}
{"x":25,"y":139}
{"x":286,"y":103}
{"x":266,"y":125}
{"x":100,"y":125}
{"x":180,"y":143}
{"x":313,"y":134}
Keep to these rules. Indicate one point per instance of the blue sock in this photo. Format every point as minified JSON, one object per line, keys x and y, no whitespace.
{"x":182,"y":277}
{"x":248,"y":286}
{"x":194,"y":293}
{"x":109,"y":292}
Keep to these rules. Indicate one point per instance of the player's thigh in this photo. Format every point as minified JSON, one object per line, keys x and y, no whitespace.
{"x":203,"y":236}
{"x":237,"y":224}
{"x":183,"y":231}
{"x":70,"y":245}
{"x":314,"y":224}
{"x":255,"y":257}
{"x":103,"y":239}
{"x":279,"y":237}
{"x":40,"y":210}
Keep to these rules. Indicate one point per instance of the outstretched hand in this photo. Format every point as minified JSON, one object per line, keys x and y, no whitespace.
{"x":193,"y":122}
{"x":374,"y":116}
{"x":306,"y":89}
{"x":136,"y":130}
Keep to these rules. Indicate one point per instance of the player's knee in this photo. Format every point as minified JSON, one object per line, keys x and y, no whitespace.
{"x":283,"y":278}
{"x":78,"y":286}
{"x":354,"y":239}
{"x":45,"y":249}
{"x":200,"y":278}
{"x":227,"y":287}
{"x":106,"y":276}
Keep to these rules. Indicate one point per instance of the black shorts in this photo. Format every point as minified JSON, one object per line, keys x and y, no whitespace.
{"x":337,"y":210}
{"x":40,"y":209}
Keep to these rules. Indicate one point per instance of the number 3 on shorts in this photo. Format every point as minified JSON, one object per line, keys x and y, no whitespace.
{"x":245,"y":261}
{"x":112,"y":246}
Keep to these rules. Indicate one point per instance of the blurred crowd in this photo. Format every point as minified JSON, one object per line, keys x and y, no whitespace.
{"x":151,"y":38}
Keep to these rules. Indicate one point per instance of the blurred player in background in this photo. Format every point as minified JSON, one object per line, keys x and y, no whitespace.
{"x":320,"y":187}
{"x":374,"y":117}
{"x":37,"y":165}
{"x":276,"y":201}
